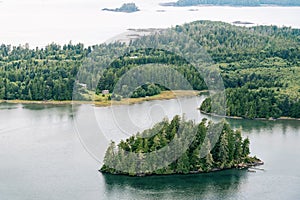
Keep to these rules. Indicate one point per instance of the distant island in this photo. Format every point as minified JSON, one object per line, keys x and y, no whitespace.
{"x":242,"y":23}
{"x":181,"y":3}
{"x":160,"y":10}
{"x":126,"y":7}
{"x":153,"y":152}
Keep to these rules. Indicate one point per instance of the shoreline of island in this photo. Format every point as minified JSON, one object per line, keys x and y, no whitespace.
{"x":241,"y":118}
{"x":164,"y":95}
{"x":241,"y":166}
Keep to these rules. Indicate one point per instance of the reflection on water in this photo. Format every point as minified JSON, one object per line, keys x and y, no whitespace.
{"x":62,"y":108}
{"x":41,"y":156}
{"x":8,"y":106}
{"x":21,"y":117}
{"x":218,"y":185}
{"x":261,"y":126}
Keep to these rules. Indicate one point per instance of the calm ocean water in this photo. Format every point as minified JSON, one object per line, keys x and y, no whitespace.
{"x":43,"y":157}
{"x":40,"y":22}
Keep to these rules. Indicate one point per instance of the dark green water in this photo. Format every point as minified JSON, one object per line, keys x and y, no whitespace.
{"x":54,"y":152}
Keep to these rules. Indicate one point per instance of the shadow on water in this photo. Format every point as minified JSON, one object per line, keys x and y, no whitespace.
{"x":262,"y":126}
{"x":36,"y":114}
{"x":46,"y":106}
{"x":60,"y":110}
{"x":215,"y":185}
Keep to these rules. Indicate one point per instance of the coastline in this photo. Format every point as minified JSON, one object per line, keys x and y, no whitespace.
{"x":165,"y":95}
{"x":241,"y":166}
{"x":174,"y":4}
{"x":241,"y":118}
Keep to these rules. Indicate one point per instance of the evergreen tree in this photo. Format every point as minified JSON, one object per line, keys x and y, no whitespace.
{"x":246,"y":148}
{"x":223,"y":153}
{"x":152,"y":153}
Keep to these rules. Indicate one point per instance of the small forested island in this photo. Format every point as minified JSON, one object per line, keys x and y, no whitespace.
{"x":126,"y":7}
{"x":188,"y":143}
{"x":234,"y":3}
{"x":242,"y":23}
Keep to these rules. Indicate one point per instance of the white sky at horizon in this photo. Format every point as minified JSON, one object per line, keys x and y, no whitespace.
{"x":40,"y":22}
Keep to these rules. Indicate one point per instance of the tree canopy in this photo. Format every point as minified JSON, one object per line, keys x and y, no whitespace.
{"x":152,"y":151}
{"x":260,"y":61}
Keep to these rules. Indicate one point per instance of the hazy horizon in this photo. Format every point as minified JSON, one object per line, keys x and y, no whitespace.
{"x":41,"y":22}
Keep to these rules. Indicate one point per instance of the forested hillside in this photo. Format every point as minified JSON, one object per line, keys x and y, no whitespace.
{"x":261,"y":68}
{"x":255,"y":103}
{"x":262,"y":58}
{"x":39,"y":74}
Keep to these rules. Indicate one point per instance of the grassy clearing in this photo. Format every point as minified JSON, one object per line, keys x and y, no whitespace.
{"x":100,"y":100}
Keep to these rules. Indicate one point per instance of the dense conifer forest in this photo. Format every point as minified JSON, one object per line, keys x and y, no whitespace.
{"x":259,"y":65}
{"x":179,"y":147}
{"x":253,"y":104}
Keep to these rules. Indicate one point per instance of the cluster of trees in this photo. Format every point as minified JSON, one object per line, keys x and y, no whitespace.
{"x":247,"y":47}
{"x":236,"y":2}
{"x":39,"y":74}
{"x":256,"y":70}
{"x":251,"y":104}
{"x":178,"y":147}
{"x":126,"y":7}
{"x":120,"y":66}
{"x":149,"y":89}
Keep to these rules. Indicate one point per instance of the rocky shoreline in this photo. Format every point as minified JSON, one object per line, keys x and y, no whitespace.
{"x":241,"y":166}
